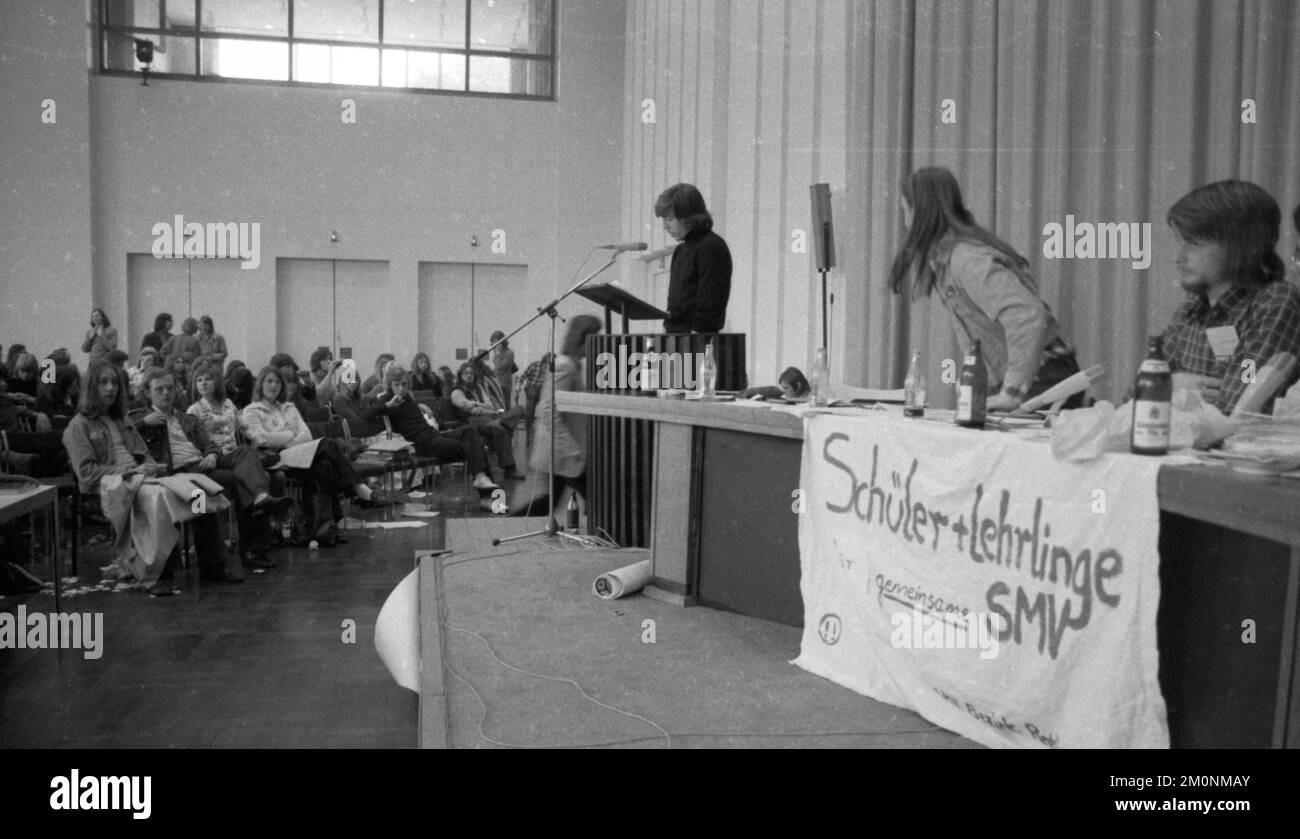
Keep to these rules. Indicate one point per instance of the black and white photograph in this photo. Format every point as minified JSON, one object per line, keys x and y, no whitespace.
{"x":651,"y":374}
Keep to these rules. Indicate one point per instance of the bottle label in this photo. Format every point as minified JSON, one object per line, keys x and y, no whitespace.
{"x":1154,"y":365}
{"x":1151,"y":424}
{"x":965,"y":402}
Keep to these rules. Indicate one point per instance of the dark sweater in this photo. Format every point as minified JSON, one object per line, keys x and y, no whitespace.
{"x":699,"y":284}
{"x":427,"y":381}
{"x":407,"y":419}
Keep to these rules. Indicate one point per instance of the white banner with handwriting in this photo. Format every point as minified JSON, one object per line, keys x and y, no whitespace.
{"x":971,"y":577}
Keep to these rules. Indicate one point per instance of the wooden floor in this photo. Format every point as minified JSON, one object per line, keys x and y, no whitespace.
{"x":259,"y":664}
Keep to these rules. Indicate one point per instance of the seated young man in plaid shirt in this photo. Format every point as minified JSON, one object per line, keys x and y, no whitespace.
{"x":1240,"y":310}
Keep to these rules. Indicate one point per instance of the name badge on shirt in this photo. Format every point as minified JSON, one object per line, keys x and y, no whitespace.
{"x":1223,"y":340}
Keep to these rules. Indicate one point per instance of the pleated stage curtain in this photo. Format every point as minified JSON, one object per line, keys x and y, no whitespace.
{"x":1104,"y":110}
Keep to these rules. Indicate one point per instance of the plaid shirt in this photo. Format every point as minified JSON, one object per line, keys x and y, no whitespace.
{"x":1267,"y":320}
{"x":535,"y":375}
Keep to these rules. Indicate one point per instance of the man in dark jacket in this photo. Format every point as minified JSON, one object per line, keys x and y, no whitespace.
{"x":180,"y":441}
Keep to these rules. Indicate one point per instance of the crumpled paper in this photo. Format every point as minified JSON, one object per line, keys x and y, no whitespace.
{"x":1086,"y":433}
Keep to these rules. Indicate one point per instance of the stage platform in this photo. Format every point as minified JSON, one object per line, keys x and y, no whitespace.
{"x":512,"y":637}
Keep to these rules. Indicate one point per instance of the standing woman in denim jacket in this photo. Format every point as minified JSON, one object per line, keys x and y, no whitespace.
{"x":986,"y":287}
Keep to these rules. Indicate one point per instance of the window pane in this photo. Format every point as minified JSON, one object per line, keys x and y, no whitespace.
{"x":246,"y":17}
{"x":311,"y":63}
{"x":119,"y":53}
{"x":143,"y":13}
{"x":354,"y":65}
{"x":425,"y":23}
{"x":511,"y":25}
{"x":335,"y":65}
{"x":180,"y":13}
{"x":426,"y":70}
{"x":337,"y":20}
{"x":490,"y":74}
{"x":238,"y":59}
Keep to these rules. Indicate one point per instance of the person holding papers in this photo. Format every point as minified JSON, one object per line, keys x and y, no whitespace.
{"x":449,"y":445}
{"x":986,"y":287}
{"x":273,"y":424}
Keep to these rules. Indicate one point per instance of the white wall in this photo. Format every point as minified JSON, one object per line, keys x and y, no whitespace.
{"x":411,"y":181}
{"x":45,"y":259}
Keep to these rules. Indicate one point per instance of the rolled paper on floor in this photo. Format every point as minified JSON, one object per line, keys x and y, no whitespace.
{"x":627,"y":580}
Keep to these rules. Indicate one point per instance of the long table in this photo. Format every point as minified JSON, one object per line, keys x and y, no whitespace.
{"x":15,"y":504}
{"x":724,"y":534}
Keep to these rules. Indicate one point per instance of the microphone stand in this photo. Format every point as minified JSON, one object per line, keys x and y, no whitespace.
{"x":551,"y":528}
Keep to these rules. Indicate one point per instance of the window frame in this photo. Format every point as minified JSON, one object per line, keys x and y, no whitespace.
{"x":101,"y":31}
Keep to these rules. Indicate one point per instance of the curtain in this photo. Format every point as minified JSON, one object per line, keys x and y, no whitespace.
{"x":1104,"y":110}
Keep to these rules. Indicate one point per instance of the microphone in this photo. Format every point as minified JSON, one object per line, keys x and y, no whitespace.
{"x":625,"y":246}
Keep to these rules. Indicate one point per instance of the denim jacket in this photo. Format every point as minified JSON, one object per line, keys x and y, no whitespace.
{"x":89,"y":443}
{"x":991,"y":299}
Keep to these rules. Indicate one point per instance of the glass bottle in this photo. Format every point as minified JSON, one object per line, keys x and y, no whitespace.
{"x":914,"y":388}
{"x":972,"y":389}
{"x":1152,"y":397}
{"x":708,"y":374}
{"x":819,"y":397}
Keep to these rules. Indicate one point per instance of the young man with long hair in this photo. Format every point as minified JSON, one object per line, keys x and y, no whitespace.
{"x":699,"y":282}
{"x":1240,"y":310}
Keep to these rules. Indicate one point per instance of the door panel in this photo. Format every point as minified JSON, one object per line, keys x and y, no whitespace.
{"x":219,"y":288}
{"x":362,"y":314}
{"x":153,"y":285}
{"x":304,"y":308}
{"x":501,"y":302}
{"x":446,"y":311}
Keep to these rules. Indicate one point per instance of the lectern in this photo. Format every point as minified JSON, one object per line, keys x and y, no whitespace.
{"x":617,"y":299}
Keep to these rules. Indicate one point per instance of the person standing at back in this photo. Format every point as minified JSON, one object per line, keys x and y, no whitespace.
{"x":162,"y":332}
{"x":101,"y":338}
{"x":504,"y":367}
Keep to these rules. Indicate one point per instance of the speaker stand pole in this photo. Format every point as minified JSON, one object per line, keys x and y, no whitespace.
{"x":552,"y":528}
{"x":826,"y":249}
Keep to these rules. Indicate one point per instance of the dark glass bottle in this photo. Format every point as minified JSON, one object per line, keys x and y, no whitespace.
{"x":972,"y":389}
{"x":1152,"y":397}
{"x":571,"y":514}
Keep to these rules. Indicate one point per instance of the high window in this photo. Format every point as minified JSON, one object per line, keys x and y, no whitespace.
{"x":490,"y":47}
